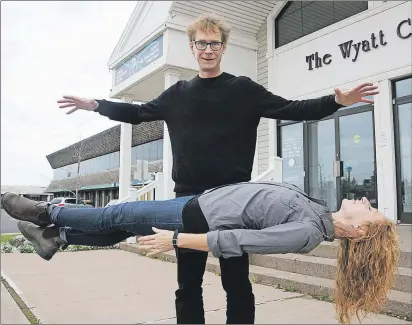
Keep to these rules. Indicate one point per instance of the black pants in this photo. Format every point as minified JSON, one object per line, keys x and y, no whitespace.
{"x":235,"y":281}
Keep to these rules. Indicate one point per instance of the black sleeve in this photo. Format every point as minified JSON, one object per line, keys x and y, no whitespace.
{"x":276,"y":107}
{"x":135,"y":113}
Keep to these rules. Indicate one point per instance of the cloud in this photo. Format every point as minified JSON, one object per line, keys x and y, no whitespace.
{"x":49,"y":49}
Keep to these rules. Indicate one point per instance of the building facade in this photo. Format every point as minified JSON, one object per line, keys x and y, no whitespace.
{"x":92,"y":165}
{"x":297,"y":50}
{"x":364,"y":150}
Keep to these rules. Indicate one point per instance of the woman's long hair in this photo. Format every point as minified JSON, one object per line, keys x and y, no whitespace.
{"x":366,"y":270}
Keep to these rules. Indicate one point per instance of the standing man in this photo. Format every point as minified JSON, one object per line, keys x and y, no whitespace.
{"x":212,"y":121}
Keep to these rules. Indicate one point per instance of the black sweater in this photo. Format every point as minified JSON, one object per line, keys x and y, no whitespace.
{"x":213,"y":125}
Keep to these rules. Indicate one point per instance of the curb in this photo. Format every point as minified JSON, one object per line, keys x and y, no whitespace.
{"x":15,"y":294}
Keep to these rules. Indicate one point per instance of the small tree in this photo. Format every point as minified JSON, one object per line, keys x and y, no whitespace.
{"x":78,"y":155}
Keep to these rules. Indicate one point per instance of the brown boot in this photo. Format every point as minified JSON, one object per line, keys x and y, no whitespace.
{"x":21,"y":208}
{"x":46,"y":240}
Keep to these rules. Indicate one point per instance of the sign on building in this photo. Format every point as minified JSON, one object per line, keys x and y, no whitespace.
{"x":138,"y":61}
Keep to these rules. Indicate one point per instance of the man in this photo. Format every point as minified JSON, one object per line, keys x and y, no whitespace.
{"x":212,"y":121}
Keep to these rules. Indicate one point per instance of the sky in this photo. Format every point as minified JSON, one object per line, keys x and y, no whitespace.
{"x":50,"y":49}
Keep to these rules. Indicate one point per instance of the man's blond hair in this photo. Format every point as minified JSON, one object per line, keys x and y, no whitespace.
{"x":209,"y":23}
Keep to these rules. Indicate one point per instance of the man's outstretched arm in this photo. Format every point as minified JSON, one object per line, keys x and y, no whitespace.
{"x":122,"y":112}
{"x":276,"y":107}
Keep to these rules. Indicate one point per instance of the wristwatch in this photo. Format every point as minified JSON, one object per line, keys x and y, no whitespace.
{"x":174,"y":240}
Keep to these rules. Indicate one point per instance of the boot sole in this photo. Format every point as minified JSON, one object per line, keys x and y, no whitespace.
{"x":17,"y":218}
{"x":36,"y":246}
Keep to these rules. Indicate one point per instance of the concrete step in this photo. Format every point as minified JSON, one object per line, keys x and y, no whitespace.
{"x":399,"y":303}
{"x":330,"y":250}
{"x":320,"y":267}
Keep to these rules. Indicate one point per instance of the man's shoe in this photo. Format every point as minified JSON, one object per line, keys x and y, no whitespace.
{"x":46,"y":240}
{"x":21,"y":208}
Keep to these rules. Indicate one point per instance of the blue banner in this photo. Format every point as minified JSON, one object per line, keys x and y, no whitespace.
{"x":141,"y":59}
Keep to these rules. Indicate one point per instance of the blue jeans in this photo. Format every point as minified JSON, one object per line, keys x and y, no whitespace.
{"x":111,"y":225}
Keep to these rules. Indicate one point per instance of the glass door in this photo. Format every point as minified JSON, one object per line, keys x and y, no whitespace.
{"x":341,"y":157}
{"x":404,"y":160}
{"x":356,"y":156}
{"x":292,"y":154}
{"x":321,"y":154}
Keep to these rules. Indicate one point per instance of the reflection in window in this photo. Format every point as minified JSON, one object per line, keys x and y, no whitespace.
{"x":322,"y":183}
{"x":292,"y":154}
{"x":301,"y":18}
{"x":148,"y":151}
{"x":357,"y":153}
{"x":403,"y":87}
{"x":405,"y":145}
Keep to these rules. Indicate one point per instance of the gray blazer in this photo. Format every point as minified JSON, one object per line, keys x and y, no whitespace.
{"x":264,"y":218}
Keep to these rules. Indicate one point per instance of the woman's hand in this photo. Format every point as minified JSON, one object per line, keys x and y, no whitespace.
{"x":160,"y":242}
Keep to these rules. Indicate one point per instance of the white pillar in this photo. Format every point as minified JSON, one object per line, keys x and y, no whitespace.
{"x":171,"y":77}
{"x":385,"y":151}
{"x":125,"y":156}
{"x":255,"y":168}
{"x":273,"y":146}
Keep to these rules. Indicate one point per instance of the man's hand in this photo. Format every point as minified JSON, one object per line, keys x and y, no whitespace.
{"x":160,"y":242}
{"x":355,"y":95}
{"x":77,"y":103}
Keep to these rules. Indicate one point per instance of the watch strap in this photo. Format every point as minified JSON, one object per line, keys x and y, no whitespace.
{"x":174,"y":240}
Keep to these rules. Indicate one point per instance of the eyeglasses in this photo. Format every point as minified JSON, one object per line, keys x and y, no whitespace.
{"x":202,"y":45}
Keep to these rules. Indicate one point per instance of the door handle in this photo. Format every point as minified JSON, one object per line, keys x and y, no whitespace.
{"x":337,"y":168}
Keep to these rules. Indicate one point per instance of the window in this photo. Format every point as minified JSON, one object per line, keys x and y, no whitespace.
{"x":291,"y":137}
{"x":149,"y":151}
{"x":403,"y":147}
{"x":301,"y":18}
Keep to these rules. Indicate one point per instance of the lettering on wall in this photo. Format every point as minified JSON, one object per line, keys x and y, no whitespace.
{"x":351,"y":50}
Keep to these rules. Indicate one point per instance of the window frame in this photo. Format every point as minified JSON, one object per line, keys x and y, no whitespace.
{"x":396,"y":101}
{"x":374,"y":7}
{"x":287,"y":5}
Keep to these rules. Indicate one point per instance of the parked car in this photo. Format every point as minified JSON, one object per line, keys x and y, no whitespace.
{"x":111,"y":202}
{"x":70,"y":202}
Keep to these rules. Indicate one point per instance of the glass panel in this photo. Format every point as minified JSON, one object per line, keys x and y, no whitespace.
{"x":322,"y":183}
{"x":403,"y":87}
{"x":357,"y":154}
{"x":145,"y":153}
{"x":152,"y":150}
{"x":306,"y":17}
{"x":289,"y":28}
{"x":405,"y":138}
{"x":160,"y":149}
{"x":317,"y":15}
{"x":345,"y":9}
{"x":134,"y":155}
{"x":116,"y":156}
{"x":292,"y":154}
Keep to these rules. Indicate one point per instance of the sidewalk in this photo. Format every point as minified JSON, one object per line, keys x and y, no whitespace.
{"x":10,"y":312}
{"x":113,"y":287}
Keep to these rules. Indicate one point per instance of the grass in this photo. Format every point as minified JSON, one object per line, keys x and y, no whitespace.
{"x":4,"y":238}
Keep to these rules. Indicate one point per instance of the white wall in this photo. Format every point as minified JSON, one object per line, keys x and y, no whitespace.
{"x":289,"y":70}
{"x":289,"y":75}
{"x":262,"y":149}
